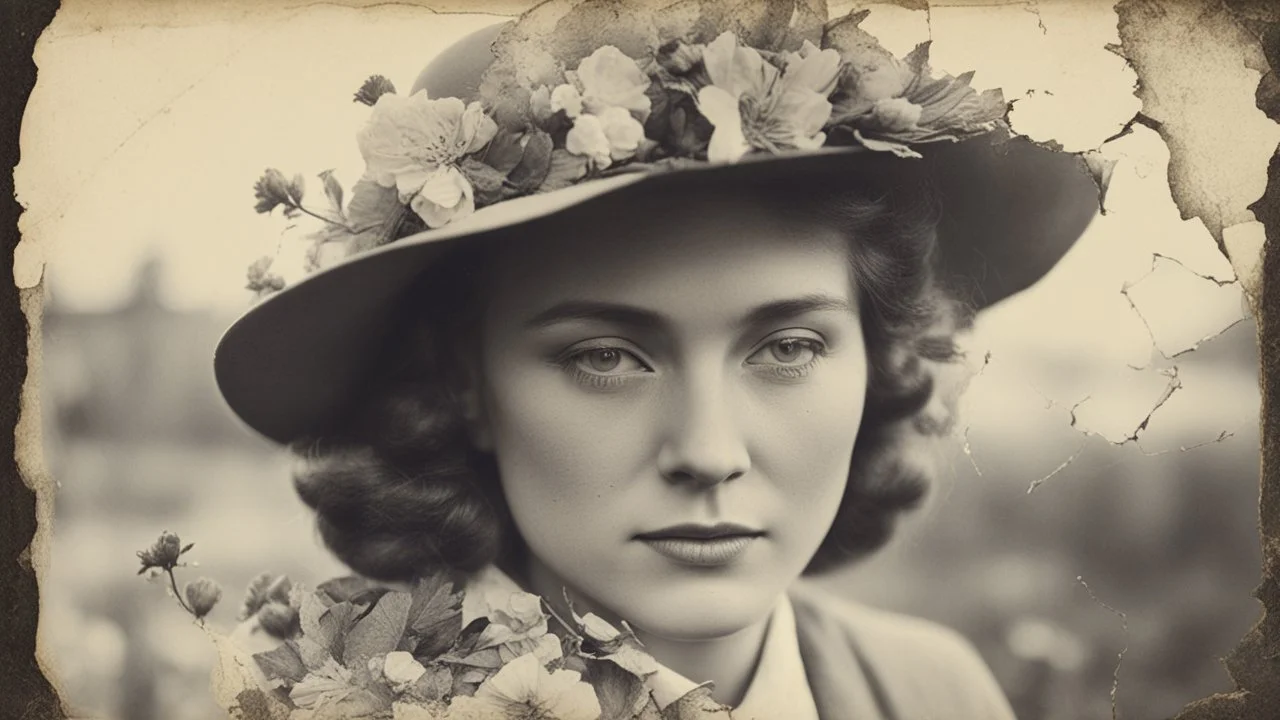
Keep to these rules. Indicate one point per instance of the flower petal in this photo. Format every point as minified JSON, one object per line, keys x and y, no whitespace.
{"x":446,"y":195}
{"x":609,"y":78}
{"x":721,"y":109}
{"x":587,"y":138}
{"x":817,"y":71}
{"x":476,"y":128}
{"x":737,"y":69}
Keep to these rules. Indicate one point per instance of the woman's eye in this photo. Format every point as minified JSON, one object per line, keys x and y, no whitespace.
{"x":787,"y":351}
{"x":608,"y":361}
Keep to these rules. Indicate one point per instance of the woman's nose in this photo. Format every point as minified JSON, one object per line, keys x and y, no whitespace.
{"x":704,"y":445}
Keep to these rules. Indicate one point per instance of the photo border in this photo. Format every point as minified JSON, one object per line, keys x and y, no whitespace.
{"x":25,"y":692}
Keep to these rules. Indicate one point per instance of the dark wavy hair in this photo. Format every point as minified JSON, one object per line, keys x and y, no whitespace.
{"x":399,"y":491}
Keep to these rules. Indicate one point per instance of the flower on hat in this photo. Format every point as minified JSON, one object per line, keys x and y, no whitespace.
{"x":414,"y":144}
{"x":608,"y":78}
{"x":523,"y":689}
{"x":669,"y":104}
{"x":611,"y":136}
{"x":890,"y":104}
{"x":754,"y":105}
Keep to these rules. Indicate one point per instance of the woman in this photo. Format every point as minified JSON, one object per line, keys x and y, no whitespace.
{"x":663,"y":396}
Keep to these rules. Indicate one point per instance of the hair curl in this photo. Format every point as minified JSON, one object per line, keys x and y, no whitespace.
{"x":400,"y":492}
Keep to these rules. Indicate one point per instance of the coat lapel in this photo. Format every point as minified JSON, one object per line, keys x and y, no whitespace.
{"x":844,"y":687}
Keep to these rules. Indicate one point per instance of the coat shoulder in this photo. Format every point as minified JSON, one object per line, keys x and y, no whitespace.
{"x":917,"y":669}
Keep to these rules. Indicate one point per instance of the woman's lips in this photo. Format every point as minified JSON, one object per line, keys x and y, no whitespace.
{"x":701,"y":545}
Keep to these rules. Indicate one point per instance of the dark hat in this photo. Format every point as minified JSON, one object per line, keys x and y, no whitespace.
{"x":1009,"y":208}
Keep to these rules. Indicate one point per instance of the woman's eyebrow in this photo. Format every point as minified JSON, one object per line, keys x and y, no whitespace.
{"x":781,"y":310}
{"x":640,"y":318}
{"x":600,"y":311}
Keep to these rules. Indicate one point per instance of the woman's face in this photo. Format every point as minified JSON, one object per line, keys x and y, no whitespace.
{"x":673,"y":404}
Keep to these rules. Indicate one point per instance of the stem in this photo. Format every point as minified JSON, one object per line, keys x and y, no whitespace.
{"x":572,"y":630}
{"x":317,"y":216}
{"x":173,"y":583}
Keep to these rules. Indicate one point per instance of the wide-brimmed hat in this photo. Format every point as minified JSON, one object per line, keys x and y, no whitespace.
{"x":576,"y":103}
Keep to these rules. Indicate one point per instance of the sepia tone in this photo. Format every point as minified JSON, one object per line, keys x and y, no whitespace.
{"x":1177,"y":48}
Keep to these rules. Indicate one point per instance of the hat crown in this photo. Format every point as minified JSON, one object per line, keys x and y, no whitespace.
{"x":458,"y":70}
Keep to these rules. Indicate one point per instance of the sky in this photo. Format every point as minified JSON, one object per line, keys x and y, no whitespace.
{"x":144,"y":142}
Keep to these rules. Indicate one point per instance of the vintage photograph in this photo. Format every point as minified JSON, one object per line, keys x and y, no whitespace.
{"x":643,"y":359}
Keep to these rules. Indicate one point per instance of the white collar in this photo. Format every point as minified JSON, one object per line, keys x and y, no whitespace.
{"x":779,"y":688}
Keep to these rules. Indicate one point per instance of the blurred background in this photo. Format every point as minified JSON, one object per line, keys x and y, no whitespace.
{"x":1095,"y":521}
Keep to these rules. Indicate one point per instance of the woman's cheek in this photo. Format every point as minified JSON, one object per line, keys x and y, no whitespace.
{"x":807,"y":449}
{"x":572,"y":446}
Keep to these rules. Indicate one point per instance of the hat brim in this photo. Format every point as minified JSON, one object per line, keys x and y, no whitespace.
{"x":289,"y":365}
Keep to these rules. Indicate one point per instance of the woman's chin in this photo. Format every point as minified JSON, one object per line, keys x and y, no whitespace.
{"x":693,"y":614}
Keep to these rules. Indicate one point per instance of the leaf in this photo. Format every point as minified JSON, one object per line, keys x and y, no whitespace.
{"x":470,"y":636}
{"x":697,"y":704}
{"x":379,"y":632}
{"x":372,"y":207}
{"x":333,"y":191}
{"x":347,"y":587}
{"x":897,"y":148}
{"x":486,"y":180}
{"x":314,"y":655}
{"x":918,"y":59}
{"x":434,"y":684}
{"x":529,"y":174}
{"x":488,"y":658}
{"x":566,"y":169}
{"x":504,"y":150}
{"x":282,"y":663}
{"x":435,"y":615}
{"x":622,"y":695}
{"x":310,"y":607}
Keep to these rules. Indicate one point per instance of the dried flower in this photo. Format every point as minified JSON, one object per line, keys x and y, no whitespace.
{"x":525,"y":689}
{"x":279,"y":620}
{"x":163,"y":554}
{"x":608,"y":78}
{"x":261,"y":280}
{"x":263,"y":589}
{"x":753,"y":105}
{"x":890,"y":103}
{"x":271,"y":189}
{"x":372,"y":89}
{"x":202,"y":594}
{"x":414,"y":145}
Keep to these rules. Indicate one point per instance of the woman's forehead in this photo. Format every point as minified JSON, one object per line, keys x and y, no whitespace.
{"x":717,"y":255}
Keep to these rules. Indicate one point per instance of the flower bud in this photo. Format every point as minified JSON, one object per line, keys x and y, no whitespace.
{"x":374,"y":88}
{"x":202,"y":594}
{"x":163,"y":554}
{"x":271,"y":189}
{"x":279,"y":620}
{"x":895,"y":114}
{"x":540,"y":103}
